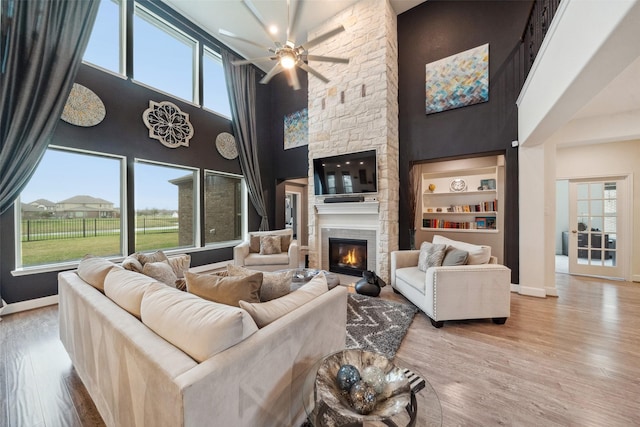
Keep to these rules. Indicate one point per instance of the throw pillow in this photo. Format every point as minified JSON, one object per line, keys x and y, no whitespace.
{"x":285,"y":242}
{"x":267,"y":312}
{"x":225,"y":290}
{"x":161,"y":271}
{"x":154,"y":257}
{"x":478,"y":254}
{"x":180,"y":264}
{"x":430,"y":255}
{"x":269,"y":245}
{"x":254,"y":244}
{"x":274,"y":284}
{"x":198,"y":327}
{"x":455,"y":256}
{"x":93,"y":270}
{"x":132,"y":263}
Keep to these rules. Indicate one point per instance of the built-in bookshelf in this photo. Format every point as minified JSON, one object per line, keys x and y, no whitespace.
{"x":464,"y":200}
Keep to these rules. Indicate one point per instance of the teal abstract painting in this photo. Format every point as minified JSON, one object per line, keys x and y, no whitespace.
{"x":296,"y":129}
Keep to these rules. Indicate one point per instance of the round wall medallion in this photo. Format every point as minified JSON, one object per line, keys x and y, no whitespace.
{"x":83,"y":108}
{"x":226,"y":145}
{"x":168,"y":124}
{"x":458,"y":184}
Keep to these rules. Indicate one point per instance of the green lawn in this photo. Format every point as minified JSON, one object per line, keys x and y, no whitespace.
{"x":52,"y":251}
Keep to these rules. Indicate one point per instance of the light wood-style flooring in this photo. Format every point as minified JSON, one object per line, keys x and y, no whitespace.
{"x":573,"y":360}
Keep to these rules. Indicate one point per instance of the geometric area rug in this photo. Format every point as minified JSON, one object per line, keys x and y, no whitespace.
{"x":377,"y":325}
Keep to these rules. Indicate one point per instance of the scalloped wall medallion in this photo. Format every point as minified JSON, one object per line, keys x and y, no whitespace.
{"x":83,"y":108}
{"x":226,"y":145}
{"x":168,"y":124}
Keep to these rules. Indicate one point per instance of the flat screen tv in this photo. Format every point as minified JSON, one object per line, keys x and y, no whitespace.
{"x":353,"y":173}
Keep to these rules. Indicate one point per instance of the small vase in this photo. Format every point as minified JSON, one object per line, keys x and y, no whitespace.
{"x":412,"y":238}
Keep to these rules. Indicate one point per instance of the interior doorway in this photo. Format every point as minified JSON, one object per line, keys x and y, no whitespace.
{"x":291,"y":212}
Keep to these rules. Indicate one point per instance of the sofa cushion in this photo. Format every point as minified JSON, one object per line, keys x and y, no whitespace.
{"x":269,"y":245}
{"x":257,"y":259}
{"x":161,"y":271}
{"x":431,"y":255}
{"x":180,"y":264}
{"x":126,"y":288}
{"x":274,"y":284}
{"x":225,"y":290}
{"x":93,"y":270}
{"x":477,"y":254}
{"x":266,"y":312}
{"x":454,"y":256}
{"x":198,"y":327}
{"x":413,"y":277}
{"x":132,"y":263}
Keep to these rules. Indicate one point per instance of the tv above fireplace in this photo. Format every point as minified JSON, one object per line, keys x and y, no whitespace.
{"x":352,"y":173}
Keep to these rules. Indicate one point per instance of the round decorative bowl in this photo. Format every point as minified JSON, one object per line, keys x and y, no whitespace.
{"x":394,"y":393}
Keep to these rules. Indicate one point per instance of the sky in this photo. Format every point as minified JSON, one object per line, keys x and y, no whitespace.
{"x":61,"y":175}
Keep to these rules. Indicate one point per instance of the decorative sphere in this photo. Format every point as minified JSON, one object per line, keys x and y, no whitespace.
{"x":374,"y":376}
{"x":432,"y":187}
{"x":347,"y":376}
{"x":363,"y":397}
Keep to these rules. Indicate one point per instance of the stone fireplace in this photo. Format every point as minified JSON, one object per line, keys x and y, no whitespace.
{"x":357,"y":111}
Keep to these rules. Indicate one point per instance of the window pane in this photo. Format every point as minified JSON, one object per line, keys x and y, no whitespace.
{"x":163,"y":57}
{"x":104,"y":45}
{"x":223,"y":207}
{"x":70,"y":208}
{"x":215,"y":87}
{"x":165,"y":204}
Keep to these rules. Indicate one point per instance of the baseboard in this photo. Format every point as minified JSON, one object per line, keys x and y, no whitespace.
{"x":635,"y":278}
{"x":532,"y":292}
{"x":28,"y":305}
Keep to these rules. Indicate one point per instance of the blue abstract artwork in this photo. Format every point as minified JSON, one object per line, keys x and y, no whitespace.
{"x":458,"y":80}
{"x":296,"y":129}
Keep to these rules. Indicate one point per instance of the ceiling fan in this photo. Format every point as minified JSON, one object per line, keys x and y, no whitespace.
{"x":288,"y":56}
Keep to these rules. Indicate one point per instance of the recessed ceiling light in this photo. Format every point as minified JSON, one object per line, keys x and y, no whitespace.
{"x":273,"y":29}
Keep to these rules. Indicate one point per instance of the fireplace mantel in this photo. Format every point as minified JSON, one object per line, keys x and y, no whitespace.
{"x":357,"y":208}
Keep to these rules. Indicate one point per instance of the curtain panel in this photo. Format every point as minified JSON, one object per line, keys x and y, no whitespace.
{"x":241,"y":86}
{"x":42,"y":46}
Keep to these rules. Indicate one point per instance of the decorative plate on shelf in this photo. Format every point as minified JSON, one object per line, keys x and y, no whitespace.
{"x":226,"y":145}
{"x":458,"y":185}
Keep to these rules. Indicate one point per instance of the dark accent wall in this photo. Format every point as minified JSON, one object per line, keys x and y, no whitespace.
{"x":438,"y":29}
{"x":123,"y":132}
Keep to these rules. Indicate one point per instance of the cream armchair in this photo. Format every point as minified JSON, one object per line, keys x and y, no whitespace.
{"x":455,"y":292}
{"x":249,"y":254}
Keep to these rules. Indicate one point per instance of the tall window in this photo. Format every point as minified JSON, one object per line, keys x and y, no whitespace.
{"x":347,"y":184}
{"x":71,"y":207}
{"x":164,"y":57}
{"x":214,"y":85}
{"x":166,"y":205}
{"x":223,"y":199}
{"x":103,"y":49}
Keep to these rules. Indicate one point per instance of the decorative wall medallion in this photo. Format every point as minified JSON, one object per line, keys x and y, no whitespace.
{"x":83,"y":108}
{"x":168,"y":124}
{"x":226,"y":145}
{"x":458,"y":184}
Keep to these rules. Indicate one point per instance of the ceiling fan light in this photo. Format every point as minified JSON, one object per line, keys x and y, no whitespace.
{"x":287,"y":61}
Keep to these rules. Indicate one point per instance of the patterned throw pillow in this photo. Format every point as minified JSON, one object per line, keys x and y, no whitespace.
{"x":270,"y":245}
{"x":154,"y":257}
{"x":274,"y":284}
{"x":180,"y":264}
{"x":225,"y":290}
{"x":430,"y":255}
{"x":161,"y":271}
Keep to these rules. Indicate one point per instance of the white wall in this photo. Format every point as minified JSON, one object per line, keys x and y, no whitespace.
{"x":616,"y":158}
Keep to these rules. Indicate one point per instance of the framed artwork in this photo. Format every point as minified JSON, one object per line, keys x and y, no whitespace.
{"x":458,"y":80}
{"x":488,"y":184}
{"x":296,"y":129}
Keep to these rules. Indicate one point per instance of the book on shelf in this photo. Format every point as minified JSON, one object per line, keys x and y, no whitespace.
{"x":440,"y":223}
{"x":488,"y":206}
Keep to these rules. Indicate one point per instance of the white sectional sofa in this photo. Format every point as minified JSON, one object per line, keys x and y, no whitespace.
{"x":248,"y":376}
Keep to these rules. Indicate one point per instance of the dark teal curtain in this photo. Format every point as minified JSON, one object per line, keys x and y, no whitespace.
{"x":41,"y":47}
{"x":241,"y":86}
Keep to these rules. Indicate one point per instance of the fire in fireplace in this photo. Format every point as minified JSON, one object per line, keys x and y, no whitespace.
{"x":347,"y":256}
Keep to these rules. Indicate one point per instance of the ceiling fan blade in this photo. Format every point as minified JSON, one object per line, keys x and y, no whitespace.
{"x":291,"y":26}
{"x":292,"y":78}
{"x":322,"y":37}
{"x":327,"y":59}
{"x":312,"y":71}
{"x":252,"y":9}
{"x":272,"y":72}
{"x":232,"y":35}
{"x":252,"y":60}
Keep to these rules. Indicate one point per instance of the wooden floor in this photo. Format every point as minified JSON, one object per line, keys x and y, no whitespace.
{"x":567,"y":361}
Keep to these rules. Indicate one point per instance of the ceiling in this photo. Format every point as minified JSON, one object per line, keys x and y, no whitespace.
{"x":233,"y":16}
